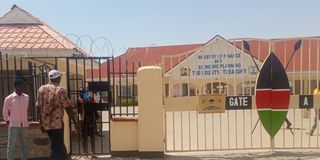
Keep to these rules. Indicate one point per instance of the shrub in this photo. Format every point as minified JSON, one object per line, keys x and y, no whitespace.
{"x":129,"y":102}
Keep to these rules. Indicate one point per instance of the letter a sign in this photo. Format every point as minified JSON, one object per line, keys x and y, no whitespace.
{"x":305,"y":101}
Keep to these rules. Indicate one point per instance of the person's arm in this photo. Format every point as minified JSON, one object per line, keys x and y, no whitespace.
{"x":39,"y":105}
{"x":6,"y":110}
{"x":68,"y":107}
{"x":71,"y":115}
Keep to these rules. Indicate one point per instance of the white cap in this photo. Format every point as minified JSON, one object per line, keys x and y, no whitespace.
{"x":53,"y":74}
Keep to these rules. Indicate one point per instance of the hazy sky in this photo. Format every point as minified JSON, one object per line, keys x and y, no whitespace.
{"x":135,"y":23}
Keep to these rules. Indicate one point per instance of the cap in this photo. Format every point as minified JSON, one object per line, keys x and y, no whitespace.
{"x":53,"y":74}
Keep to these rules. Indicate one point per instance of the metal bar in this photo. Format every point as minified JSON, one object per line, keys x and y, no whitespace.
{"x":15,"y":66}
{"x":310,"y":87}
{"x":113,"y":88}
{"x":220,"y":130}
{"x":318,"y":56}
{"x":251,"y":143}
{"x":165,"y":130}
{"x":20,"y":64}
{"x":197,"y":124}
{"x":77,"y":92}
{"x":2,"y":81}
{"x":133,"y":91}
{"x":228,"y":123}
{"x":56,"y":63}
{"x":110,"y":94}
{"x":69,"y":96}
{"x":171,"y":80}
{"x":127,"y":89}
{"x":181,"y":130}
{"x":100,"y":116}
{"x":301,"y":89}
{"x":35,"y":83}
{"x":84,"y":82}
{"x":7,"y":65}
{"x":205,"y":130}
{"x":212,"y":118}
{"x":236,"y":119}
{"x":174,"y":133}
{"x":120,"y":87}
{"x":189,"y":123}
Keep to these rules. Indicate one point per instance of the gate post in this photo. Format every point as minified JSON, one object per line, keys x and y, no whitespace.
{"x":150,"y":123}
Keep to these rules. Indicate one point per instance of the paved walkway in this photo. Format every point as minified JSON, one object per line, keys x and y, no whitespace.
{"x":237,"y":155}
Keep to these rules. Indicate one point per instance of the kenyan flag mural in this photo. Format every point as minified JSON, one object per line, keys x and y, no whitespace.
{"x":272,"y":94}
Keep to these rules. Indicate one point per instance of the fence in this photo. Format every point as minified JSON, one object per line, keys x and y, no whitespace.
{"x":124,"y":88}
{"x":221,"y":67}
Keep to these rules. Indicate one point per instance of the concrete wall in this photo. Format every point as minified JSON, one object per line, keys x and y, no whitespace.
{"x":124,"y":135}
{"x":145,"y":136}
{"x":38,"y":143}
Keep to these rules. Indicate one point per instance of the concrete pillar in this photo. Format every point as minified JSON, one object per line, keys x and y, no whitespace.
{"x":150,"y":123}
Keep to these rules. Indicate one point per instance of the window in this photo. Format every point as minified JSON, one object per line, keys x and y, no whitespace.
{"x":297,"y":87}
{"x":126,"y":90}
{"x":166,"y":89}
{"x":216,"y":87}
{"x":185,"y":89}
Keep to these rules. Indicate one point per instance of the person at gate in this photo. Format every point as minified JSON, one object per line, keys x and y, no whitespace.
{"x":88,"y":120}
{"x":52,"y":101}
{"x":289,"y":124}
{"x":316,"y":91}
{"x":15,"y":110}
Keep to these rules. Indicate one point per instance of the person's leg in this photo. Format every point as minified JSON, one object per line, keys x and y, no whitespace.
{"x":24,"y":143}
{"x":315,"y":122}
{"x":12,"y":136}
{"x":93,"y":144}
{"x":84,"y":144}
{"x":58,"y":149}
{"x":288,"y":123}
{"x":51,"y":135}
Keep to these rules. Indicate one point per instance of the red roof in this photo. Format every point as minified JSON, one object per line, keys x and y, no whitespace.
{"x":283,"y":48}
{"x":21,"y":30}
{"x":144,"y":56}
{"x":259,"y":48}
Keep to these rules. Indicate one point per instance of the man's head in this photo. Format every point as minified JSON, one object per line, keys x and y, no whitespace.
{"x":19,"y":86}
{"x":55,"y":76}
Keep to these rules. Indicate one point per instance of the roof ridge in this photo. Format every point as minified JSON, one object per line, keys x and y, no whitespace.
{"x":274,"y":39}
{"x":29,"y":14}
{"x":61,"y":42}
{"x":166,"y":46}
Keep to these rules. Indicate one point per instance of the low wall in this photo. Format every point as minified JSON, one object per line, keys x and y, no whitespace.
{"x":38,"y":143}
{"x":124,"y":136}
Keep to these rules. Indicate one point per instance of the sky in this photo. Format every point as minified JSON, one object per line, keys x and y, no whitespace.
{"x":142,"y":23}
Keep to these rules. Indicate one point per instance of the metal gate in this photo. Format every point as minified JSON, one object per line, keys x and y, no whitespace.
{"x":88,"y":81}
{"x":201,"y":72}
{"x":82,"y":73}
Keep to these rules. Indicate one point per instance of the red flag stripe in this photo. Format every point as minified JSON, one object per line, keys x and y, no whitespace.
{"x":276,"y":99}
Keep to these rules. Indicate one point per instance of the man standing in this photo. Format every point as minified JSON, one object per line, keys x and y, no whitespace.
{"x":315,"y":122}
{"x":52,"y":100}
{"x":15,"y":110}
